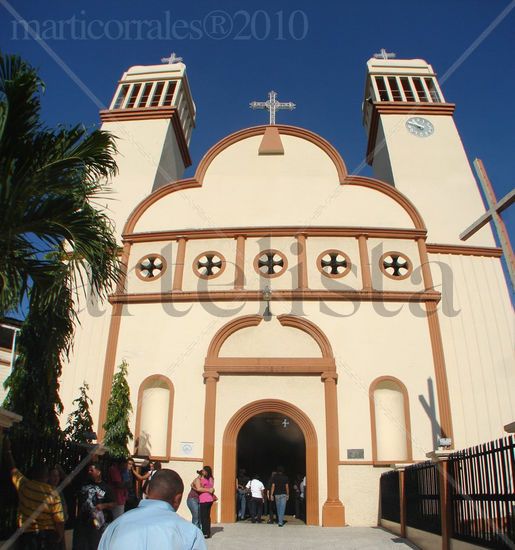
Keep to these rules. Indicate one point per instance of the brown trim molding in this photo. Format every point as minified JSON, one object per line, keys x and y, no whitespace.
{"x":343,"y":178}
{"x":333,"y":511}
{"x":227,"y":330}
{"x":489,"y":252}
{"x":331,"y":275}
{"x":284,"y":130}
{"x":442,"y":388}
{"x":272,"y":251}
{"x":229,"y":455}
{"x":278,"y":295}
{"x":311,"y":329}
{"x":179,"y":264}
{"x":154,"y":277}
{"x":364,"y":260}
{"x":194,"y":265}
{"x":302,"y":262}
{"x":398,"y":108}
{"x":143,"y":386}
{"x":286,"y":231}
{"x":424,"y":264}
{"x":407,"y":420}
{"x":109,"y":364}
{"x":152,"y":113}
{"x":409,"y":265}
{"x":185,"y":459}
{"x":239,"y":268}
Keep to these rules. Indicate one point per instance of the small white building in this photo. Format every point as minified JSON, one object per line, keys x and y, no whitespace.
{"x":277,"y":310}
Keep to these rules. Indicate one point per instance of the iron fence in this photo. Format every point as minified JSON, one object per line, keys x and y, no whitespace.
{"x":390,"y":496}
{"x":422,"y":491}
{"x":483,"y":494}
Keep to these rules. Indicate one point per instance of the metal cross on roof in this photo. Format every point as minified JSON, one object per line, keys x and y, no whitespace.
{"x":272,"y":105}
{"x":172,"y":59}
{"x":493,"y":214}
{"x":383,"y":54}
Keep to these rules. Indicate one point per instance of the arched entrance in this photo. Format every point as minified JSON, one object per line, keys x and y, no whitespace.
{"x":269,"y":408}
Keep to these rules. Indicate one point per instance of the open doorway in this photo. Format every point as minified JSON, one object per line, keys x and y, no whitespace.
{"x":268,"y":440}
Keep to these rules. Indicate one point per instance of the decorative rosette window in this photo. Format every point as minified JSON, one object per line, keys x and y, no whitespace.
{"x":333,"y":264}
{"x":209,"y":265}
{"x":150,"y":267}
{"x":395,"y":265}
{"x":270,"y":263}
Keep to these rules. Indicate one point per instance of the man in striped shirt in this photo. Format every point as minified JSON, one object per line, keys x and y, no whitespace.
{"x":40,"y":510}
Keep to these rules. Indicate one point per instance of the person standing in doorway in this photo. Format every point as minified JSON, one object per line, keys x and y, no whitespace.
{"x":280,"y":492}
{"x":205,"y":488}
{"x":241,"y":493}
{"x":256,"y":502}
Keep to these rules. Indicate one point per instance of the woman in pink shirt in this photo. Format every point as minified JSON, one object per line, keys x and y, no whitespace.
{"x":204,"y":485}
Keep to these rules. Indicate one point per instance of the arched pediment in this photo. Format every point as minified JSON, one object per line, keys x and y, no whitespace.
{"x":287,"y":344}
{"x":235,"y":186}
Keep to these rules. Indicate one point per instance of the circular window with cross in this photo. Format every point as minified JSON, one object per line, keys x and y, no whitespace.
{"x":333,"y":263}
{"x":395,"y":265}
{"x":150,"y":267}
{"x":270,"y":263}
{"x":209,"y":265}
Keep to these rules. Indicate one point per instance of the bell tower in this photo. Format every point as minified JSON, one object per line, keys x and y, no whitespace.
{"x":152,"y":114}
{"x":413,"y":144}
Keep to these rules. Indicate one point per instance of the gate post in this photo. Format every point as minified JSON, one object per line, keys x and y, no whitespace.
{"x":441,"y":459}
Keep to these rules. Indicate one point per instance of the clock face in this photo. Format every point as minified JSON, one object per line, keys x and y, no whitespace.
{"x":419,"y":126}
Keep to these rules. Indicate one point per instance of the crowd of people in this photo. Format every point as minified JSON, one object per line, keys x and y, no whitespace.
{"x":255,"y":499}
{"x":136,"y":509}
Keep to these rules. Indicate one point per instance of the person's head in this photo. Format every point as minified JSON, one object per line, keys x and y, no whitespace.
{"x":280,"y":469}
{"x":130,"y":463}
{"x":39,"y":472}
{"x":122,"y":464}
{"x":53,"y":477}
{"x":155,"y":465}
{"x":166,"y":485}
{"x":207,"y":472}
{"x":94,"y":472}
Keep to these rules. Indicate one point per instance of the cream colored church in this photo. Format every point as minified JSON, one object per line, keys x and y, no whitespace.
{"x":278,"y":310}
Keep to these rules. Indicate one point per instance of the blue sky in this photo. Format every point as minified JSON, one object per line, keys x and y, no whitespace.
{"x":312,"y":53}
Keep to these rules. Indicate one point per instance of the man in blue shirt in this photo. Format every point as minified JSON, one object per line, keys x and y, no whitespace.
{"x":154,"y":524}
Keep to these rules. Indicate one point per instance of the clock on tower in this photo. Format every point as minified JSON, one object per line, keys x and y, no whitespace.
{"x":413,"y":144}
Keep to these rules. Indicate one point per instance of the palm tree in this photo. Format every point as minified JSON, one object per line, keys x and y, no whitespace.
{"x":49,"y":179}
{"x":52,"y":238}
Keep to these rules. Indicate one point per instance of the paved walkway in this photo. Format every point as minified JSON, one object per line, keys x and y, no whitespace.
{"x":243,"y":536}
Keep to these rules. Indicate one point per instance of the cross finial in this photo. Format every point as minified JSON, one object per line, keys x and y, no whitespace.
{"x":172,"y":59}
{"x":272,"y":105}
{"x":383,"y":54}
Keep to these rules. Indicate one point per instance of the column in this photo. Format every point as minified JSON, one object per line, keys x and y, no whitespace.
{"x":239,"y":273}
{"x":210,"y":379}
{"x":333,"y":511}
{"x":366,"y":276}
{"x":179,"y":264}
{"x":302,"y":273}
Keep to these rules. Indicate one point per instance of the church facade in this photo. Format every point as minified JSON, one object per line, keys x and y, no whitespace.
{"x":277,"y":309}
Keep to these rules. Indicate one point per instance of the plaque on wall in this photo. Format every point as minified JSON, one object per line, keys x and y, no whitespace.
{"x":355,"y":453}
{"x":187,"y":448}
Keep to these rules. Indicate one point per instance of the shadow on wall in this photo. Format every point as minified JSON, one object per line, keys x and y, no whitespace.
{"x":143,"y":446}
{"x":429,"y":406}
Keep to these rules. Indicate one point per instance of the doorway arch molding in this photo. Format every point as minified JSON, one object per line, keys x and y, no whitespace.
{"x":229,"y":454}
{"x":333,"y":511}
